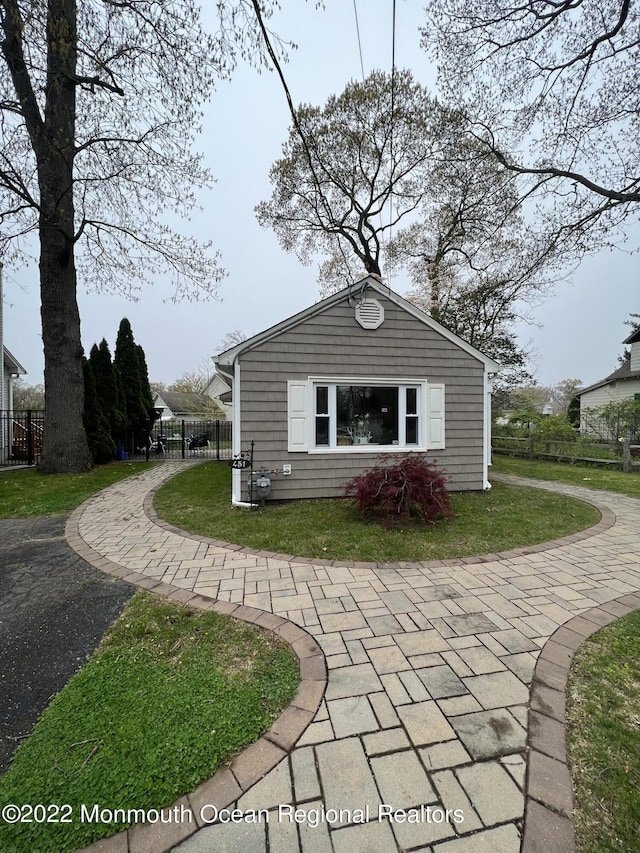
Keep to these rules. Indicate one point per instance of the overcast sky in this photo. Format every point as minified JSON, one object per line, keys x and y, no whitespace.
{"x":580,"y":328}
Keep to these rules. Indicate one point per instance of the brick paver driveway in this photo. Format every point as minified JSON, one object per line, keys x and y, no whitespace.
{"x":420,"y":739}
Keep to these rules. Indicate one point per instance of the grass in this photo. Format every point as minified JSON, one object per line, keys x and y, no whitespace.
{"x":198,"y":500}
{"x":25,"y":493}
{"x":593,"y":477}
{"x":603,"y":738}
{"x":169,"y":696}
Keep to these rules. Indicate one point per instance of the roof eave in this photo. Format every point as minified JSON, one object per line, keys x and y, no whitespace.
{"x":12,"y":364}
{"x":609,"y":381}
{"x":227,"y":358}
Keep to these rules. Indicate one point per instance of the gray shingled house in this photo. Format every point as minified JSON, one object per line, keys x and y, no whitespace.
{"x":359,"y":374}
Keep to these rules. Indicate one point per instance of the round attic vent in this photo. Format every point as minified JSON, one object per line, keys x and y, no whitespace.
{"x":370,"y":314}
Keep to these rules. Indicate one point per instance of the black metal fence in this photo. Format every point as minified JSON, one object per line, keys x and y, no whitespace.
{"x":186,"y":439}
{"x":21,"y":437}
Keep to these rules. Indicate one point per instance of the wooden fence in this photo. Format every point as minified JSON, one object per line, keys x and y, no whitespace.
{"x":622,"y":455}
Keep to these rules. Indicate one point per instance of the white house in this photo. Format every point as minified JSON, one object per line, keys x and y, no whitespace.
{"x":11,"y":368}
{"x":622,"y":384}
{"x":220,"y":391}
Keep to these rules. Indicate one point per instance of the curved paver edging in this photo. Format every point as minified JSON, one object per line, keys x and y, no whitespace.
{"x":607,"y":520}
{"x":543,"y":815}
{"x":232,"y":780}
{"x":549,"y":824}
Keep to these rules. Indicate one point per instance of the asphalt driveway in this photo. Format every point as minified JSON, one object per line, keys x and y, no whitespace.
{"x":54,"y":610}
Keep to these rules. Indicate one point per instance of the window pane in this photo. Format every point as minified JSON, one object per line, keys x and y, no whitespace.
{"x":322,"y":400}
{"x":412,"y":430}
{"x":322,"y":432}
{"x":412,"y":401}
{"x":367,"y":414}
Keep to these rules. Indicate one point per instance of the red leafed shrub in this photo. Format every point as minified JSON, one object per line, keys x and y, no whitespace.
{"x":399,"y":488}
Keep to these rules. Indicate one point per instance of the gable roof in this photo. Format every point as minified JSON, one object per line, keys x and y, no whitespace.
{"x":621,"y":373}
{"x":216,"y":386}
{"x":227,"y":358}
{"x":180,"y":402}
{"x":11,"y":363}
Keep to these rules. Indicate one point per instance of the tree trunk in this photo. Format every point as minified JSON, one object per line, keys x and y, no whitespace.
{"x":65,"y":448}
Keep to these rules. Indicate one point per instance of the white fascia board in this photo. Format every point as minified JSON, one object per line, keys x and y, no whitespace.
{"x":11,"y":364}
{"x":490,"y":365}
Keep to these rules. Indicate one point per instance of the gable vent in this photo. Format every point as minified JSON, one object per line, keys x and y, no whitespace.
{"x":370,"y":314}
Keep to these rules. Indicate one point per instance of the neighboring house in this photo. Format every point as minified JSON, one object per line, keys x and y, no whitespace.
{"x":11,"y":369}
{"x":220,"y":391}
{"x":182,"y":406}
{"x":359,"y":374}
{"x":622,"y":384}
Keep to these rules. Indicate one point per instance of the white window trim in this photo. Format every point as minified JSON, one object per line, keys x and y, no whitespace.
{"x":425,"y":443}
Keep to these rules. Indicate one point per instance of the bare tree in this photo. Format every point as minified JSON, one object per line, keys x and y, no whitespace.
{"x":344,"y":164}
{"x":231,"y":339}
{"x":561,"y":81}
{"x":385,"y":159}
{"x":99,"y":103}
{"x":27,"y":396}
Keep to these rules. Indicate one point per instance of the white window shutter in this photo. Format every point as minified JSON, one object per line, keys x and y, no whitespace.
{"x":298,"y":415}
{"x":435,"y":416}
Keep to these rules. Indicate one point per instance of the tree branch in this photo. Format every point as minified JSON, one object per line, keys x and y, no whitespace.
{"x":91,"y":82}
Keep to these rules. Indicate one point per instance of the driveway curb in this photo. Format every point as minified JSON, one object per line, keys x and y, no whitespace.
{"x":548,"y":824}
{"x":546,"y":786}
{"x":253,"y":763}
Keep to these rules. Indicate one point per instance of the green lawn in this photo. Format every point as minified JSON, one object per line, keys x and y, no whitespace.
{"x":27,"y":492}
{"x":592,"y":476}
{"x":198,"y":500}
{"x":603,"y":738}
{"x":170,"y":695}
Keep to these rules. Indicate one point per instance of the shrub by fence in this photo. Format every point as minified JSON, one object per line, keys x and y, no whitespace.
{"x":621,"y":454}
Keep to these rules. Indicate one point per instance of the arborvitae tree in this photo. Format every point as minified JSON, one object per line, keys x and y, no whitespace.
{"x":573,"y":411}
{"x":99,"y":105}
{"x":137,"y":394}
{"x":101,"y":445}
{"x":109,"y":389}
{"x":147,"y":393}
{"x":121,"y":435}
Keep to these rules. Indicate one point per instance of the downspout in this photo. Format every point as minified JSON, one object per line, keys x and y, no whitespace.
{"x":236,"y":434}
{"x":486,"y":443}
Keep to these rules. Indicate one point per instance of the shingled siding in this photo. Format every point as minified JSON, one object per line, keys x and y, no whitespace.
{"x":334,"y":344}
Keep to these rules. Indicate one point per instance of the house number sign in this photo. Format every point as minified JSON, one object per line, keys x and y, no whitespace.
{"x":240,"y":462}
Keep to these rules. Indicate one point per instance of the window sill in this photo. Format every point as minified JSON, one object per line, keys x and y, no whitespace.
{"x":369,"y":448}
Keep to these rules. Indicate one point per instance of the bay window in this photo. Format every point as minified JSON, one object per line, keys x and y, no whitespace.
{"x":350,"y":415}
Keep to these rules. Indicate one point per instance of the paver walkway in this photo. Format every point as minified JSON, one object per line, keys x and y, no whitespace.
{"x":423,"y":726}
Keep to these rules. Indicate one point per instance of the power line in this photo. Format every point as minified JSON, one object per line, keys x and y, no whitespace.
{"x":393,"y":101}
{"x":355,"y":12}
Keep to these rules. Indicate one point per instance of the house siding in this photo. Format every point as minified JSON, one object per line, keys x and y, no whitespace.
{"x":623,"y":389}
{"x":334,"y":344}
{"x":615,"y":392}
